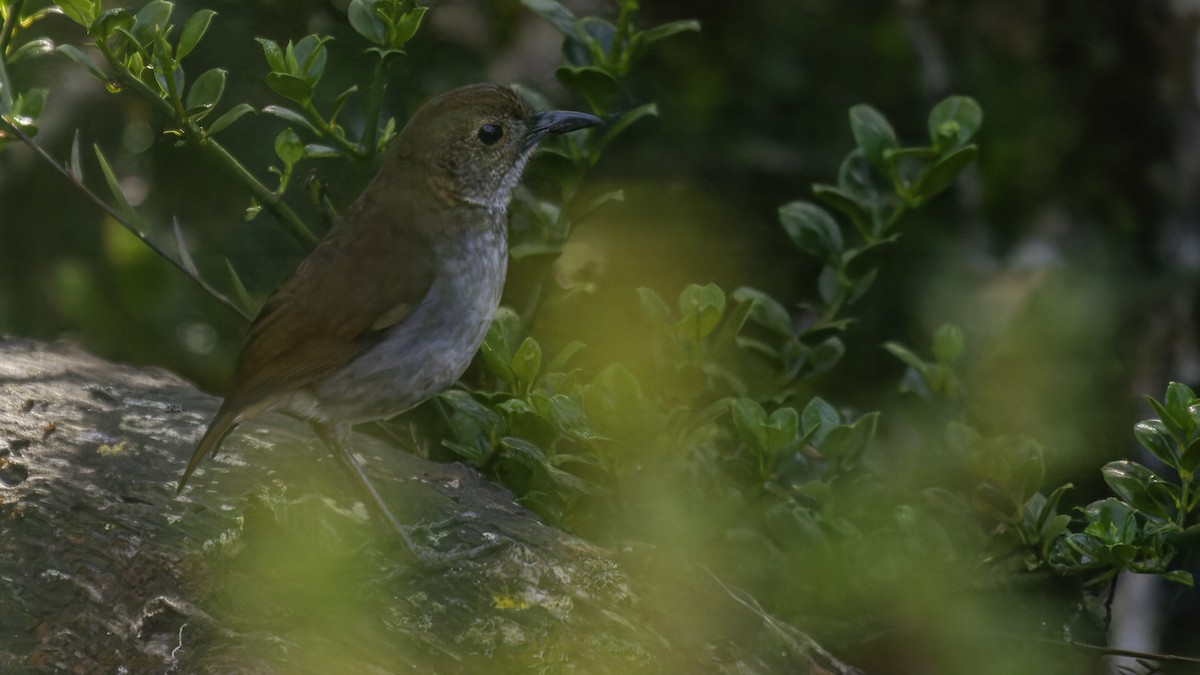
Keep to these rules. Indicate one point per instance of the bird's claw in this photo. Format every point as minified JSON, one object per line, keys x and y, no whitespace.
{"x":437,"y":531}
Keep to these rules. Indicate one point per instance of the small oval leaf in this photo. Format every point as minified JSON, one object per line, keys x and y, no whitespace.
{"x":193,"y":31}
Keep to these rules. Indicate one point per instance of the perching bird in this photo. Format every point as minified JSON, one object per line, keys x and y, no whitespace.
{"x":393,"y":303}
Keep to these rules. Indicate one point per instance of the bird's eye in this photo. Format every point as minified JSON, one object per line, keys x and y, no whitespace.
{"x":490,"y":133}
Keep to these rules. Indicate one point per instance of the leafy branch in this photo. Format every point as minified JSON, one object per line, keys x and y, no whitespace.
{"x":137,"y":49}
{"x":126,"y":216}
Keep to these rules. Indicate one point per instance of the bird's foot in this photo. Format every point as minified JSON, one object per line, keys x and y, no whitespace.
{"x":429,"y":555}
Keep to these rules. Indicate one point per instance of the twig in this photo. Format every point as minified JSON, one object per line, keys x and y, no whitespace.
{"x":10,"y":25}
{"x":272,"y":202}
{"x":1116,"y":651}
{"x":112,"y":213}
{"x":800,"y":643}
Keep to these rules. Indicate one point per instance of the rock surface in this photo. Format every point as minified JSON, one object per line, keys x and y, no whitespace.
{"x":267,"y":564}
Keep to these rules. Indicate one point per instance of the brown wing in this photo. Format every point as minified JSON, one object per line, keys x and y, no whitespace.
{"x":332,"y":308}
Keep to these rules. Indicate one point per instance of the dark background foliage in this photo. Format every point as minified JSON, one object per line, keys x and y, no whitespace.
{"x":1068,"y":252}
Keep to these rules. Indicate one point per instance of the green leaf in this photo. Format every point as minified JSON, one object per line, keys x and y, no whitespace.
{"x":594,"y":204}
{"x":72,"y":52}
{"x":82,"y":12}
{"x":812,"y":230}
{"x":701,"y":307}
{"x":626,"y":120}
{"x":564,"y":355}
{"x":1153,"y":436}
{"x":568,"y":481}
{"x":1051,"y":504}
{"x":666,"y":30}
{"x":205,"y":93}
{"x":229,"y":117}
{"x":847,"y":444}
{"x":151,"y":19}
{"x":956,"y":118}
{"x":292,"y":116}
{"x":525,"y":453}
{"x":366,"y":22}
{"x":552,"y":11}
{"x":526,"y":363}
{"x":406,"y":27}
{"x":818,"y":419}
{"x":112,"y":21}
{"x":842,"y":201}
{"x":766,"y":311}
{"x":1135,"y":485}
{"x":873,"y":134}
{"x":923,"y":369}
{"x":496,"y":350}
{"x":941,"y":174}
{"x":947,"y":344}
{"x":161,"y":69}
{"x":31,"y":49}
{"x":185,"y":256}
{"x":24,"y":110}
{"x":858,"y":286}
{"x":1182,"y":577}
{"x":310,"y":55}
{"x":653,"y":306}
{"x":782,"y":429}
{"x":290,"y":87}
{"x":193,"y":31}
{"x":1179,"y":398}
{"x":75,"y":167}
{"x":829,"y":284}
{"x":1053,"y":527}
{"x":239,"y":289}
{"x":596,"y":86}
{"x":288,"y":147}
{"x":824,"y":356}
{"x":320,"y":151}
{"x":855,"y":179}
{"x":733,"y":322}
{"x":114,"y":186}
{"x":274,"y":55}
{"x":749,"y":419}
{"x":339,"y":102}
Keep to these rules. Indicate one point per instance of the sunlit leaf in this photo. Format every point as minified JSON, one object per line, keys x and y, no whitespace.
{"x":229,"y":117}
{"x":205,"y":92}
{"x":72,"y":52}
{"x":193,"y":30}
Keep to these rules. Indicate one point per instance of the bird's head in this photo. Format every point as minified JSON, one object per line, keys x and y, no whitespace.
{"x":473,"y":142}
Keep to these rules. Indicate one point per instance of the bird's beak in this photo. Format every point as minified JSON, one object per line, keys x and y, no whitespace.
{"x":558,"y":122}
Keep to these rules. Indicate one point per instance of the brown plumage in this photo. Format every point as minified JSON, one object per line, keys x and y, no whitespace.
{"x":391,"y":305}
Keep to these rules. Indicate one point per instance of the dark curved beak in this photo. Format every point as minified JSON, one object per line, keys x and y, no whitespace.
{"x":558,"y":122}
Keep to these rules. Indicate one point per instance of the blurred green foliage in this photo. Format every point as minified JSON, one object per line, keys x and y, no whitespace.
{"x":692,"y":340}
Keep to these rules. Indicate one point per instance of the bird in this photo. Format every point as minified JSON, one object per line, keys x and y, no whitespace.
{"x":391,"y":305}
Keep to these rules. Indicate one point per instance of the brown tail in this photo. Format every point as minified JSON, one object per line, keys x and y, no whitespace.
{"x":227,"y":418}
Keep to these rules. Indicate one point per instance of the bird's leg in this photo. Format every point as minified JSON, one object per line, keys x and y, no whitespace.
{"x":337,"y":438}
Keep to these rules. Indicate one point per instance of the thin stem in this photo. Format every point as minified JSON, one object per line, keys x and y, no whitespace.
{"x":895,"y":217}
{"x":1182,"y":515}
{"x":270,"y":201}
{"x":10,"y":25}
{"x":112,"y":213}
{"x":326,"y":132}
{"x":374,"y":105}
